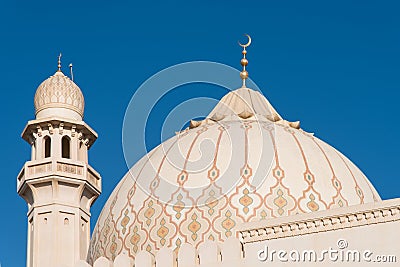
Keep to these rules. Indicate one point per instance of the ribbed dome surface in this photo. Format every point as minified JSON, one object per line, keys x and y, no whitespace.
{"x":244,"y":163}
{"x":58,"y":91}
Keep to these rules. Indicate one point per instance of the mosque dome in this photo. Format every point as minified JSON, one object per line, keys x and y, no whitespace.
{"x":242,"y":163}
{"x":59,"y":95}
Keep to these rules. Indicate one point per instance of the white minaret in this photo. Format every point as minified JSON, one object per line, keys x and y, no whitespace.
{"x":58,"y":184}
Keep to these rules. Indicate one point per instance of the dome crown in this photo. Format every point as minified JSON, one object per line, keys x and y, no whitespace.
{"x":244,"y":102}
{"x":59,"y":95}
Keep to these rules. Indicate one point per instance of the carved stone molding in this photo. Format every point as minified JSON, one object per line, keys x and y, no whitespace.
{"x":365,"y":215}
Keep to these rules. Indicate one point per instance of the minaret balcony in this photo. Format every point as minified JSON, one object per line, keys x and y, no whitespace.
{"x":38,"y":170}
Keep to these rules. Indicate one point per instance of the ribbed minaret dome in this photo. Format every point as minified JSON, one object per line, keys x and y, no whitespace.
{"x":59,"y":96}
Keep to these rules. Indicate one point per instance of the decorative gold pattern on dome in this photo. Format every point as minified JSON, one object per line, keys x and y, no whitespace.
{"x":58,"y":91}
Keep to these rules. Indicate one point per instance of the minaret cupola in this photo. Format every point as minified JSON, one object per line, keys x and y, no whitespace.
{"x":59,"y":95}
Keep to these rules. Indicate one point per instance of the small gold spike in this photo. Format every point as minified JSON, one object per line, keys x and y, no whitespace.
{"x":59,"y":62}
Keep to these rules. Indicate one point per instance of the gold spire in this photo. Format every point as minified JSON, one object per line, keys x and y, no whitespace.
{"x":244,"y":74}
{"x":59,"y":62}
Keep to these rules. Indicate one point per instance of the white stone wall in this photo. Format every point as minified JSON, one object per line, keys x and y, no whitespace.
{"x":371,"y":227}
{"x":209,"y":254}
{"x":355,"y":236}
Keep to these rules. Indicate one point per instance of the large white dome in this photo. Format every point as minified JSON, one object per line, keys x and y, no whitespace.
{"x":243,"y":163}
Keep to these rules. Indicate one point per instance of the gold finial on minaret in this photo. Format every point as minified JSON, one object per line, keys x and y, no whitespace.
{"x":59,"y":62}
{"x":244,"y":74}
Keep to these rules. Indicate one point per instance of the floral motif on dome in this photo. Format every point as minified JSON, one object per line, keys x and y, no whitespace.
{"x":178,"y":244}
{"x":228,"y":224}
{"x":163,"y":231}
{"x":125,"y":221}
{"x":194,"y":226}
{"x":246,"y":200}
{"x":213,"y":173}
{"x":211,"y":202}
{"x":310,"y":200}
{"x":149,"y":212}
{"x":279,"y":199}
{"x":210,"y":205}
{"x":245,"y":193}
{"x":263,"y":215}
{"x":182,"y":177}
{"x":312,"y":205}
{"x":135,"y":238}
{"x":178,"y":206}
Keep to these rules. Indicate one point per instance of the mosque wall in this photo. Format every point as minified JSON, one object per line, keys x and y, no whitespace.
{"x":352,"y":236}
{"x":359,"y":235}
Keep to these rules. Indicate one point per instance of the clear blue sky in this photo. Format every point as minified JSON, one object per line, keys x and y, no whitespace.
{"x":333,"y":66}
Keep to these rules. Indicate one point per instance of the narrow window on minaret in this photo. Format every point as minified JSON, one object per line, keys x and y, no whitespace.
{"x":65,"y":142}
{"x":47,"y":147}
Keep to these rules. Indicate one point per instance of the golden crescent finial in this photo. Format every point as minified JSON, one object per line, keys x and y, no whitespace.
{"x":248,"y":42}
{"x":244,"y":74}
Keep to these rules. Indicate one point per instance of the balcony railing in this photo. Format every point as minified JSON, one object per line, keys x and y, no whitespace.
{"x":60,"y":167}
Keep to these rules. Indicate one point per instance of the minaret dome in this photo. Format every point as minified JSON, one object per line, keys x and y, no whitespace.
{"x":59,"y":95}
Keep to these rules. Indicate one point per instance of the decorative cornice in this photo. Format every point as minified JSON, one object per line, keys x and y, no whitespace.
{"x":61,"y":124}
{"x":359,"y":215}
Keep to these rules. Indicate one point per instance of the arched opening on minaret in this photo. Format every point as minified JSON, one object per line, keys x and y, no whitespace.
{"x":47,"y":147}
{"x":66,"y":147}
